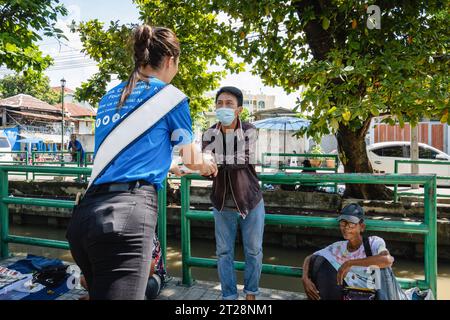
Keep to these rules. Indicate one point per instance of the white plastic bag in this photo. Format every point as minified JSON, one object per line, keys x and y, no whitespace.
{"x":11,"y":279}
{"x":417,"y":294}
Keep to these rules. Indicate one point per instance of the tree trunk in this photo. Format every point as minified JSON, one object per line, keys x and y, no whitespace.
{"x":353,"y":154}
{"x":352,"y":145}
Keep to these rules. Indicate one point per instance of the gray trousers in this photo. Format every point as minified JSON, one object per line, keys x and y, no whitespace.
{"x":110,"y":237}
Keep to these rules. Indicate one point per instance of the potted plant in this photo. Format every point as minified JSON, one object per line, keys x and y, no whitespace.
{"x":331,"y":162}
{"x":316,"y":161}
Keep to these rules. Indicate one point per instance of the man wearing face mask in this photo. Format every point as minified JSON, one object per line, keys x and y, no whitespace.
{"x":236,"y":195}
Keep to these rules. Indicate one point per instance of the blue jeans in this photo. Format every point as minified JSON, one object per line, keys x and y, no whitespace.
{"x":252,"y":228}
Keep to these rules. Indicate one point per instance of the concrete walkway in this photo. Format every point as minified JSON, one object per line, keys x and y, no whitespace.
{"x":207,"y":290}
{"x":200,"y":290}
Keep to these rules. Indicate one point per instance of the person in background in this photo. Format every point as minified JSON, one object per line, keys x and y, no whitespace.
{"x":75,"y":148}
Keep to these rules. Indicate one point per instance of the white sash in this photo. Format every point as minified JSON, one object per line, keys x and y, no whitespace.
{"x":133,"y":126}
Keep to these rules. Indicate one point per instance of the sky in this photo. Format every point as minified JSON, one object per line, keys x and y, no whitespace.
{"x":81,"y":67}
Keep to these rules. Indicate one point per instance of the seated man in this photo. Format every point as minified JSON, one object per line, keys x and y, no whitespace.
{"x":345,"y":263}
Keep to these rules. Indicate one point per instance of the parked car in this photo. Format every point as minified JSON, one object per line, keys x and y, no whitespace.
{"x":382,"y":156}
{"x":5,"y":146}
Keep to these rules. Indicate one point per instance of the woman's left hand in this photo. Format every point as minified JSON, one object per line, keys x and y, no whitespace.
{"x":342,"y":272}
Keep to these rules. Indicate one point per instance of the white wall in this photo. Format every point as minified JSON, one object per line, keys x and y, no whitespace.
{"x":87,"y":141}
{"x":85,"y":127}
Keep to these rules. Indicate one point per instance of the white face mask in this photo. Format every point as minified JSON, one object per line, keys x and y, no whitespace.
{"x":226,"y":115}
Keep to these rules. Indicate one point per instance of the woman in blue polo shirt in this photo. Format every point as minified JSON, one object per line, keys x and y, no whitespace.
{"x":111,"y":230}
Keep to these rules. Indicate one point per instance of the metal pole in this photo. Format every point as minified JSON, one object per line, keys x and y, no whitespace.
{"x":284,"y":144}
{"x":430,"y":244}
{"x":33,"y":155}
{"x":414,"y":152}
{"x":396,"y":185}
{"x":185,"y":233}
{"x":162,"y":220}
{"x":62,"y":119}
{"x":4,"y":219}
{"x":63,"y":84}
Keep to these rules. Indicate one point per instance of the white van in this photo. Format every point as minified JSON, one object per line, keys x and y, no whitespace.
{"x":5,"y":146}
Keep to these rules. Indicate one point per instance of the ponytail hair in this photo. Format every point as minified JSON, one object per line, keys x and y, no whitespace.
{"x":151,"y":46}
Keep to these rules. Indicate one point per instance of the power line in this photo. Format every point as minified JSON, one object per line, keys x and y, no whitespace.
{"x":72,"y":67}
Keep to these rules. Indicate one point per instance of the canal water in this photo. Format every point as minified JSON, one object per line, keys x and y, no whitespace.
{"x":200,"y":248}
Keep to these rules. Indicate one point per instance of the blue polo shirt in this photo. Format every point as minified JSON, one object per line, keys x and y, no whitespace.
{"x":76,"y":145}
{"x":150,"y":156}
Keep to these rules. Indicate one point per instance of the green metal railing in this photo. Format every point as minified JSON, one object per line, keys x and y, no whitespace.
{"x":441,"y":163}
{"x":39,"y":158}
{"x":6,"y":199}
{"x":88,"y":159}
{"x":427,"y":227}
{"x":310,"y":156}
{"x":296,"y":155}
{"x":22,"y":161}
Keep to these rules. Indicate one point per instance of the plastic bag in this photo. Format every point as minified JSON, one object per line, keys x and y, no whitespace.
{"x":417,"y":294}
{"x":352,"y":293}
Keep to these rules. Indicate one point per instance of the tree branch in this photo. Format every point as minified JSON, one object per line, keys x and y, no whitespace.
{"x":365,"y":127}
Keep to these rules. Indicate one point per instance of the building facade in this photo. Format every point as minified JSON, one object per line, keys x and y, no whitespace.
{"x":31,"y":123}
{"x":34,"y":119}
{"x":258,"y":102}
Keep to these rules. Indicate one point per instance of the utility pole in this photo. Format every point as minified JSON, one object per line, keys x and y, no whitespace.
{"x":63,"y":84}
{"x":414,"y":152}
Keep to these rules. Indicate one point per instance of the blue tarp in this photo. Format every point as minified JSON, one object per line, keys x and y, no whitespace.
{"x":30,"y":140}
{"x":12,"y":134}
{"x":34,"y":263}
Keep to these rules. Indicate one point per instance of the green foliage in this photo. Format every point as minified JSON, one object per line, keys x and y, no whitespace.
{"x":351,"y":73}
{"x":204,"y":43}
{"x":22,"y":22}
{"x":317,"y":149}
{"x":245,"y":115}
{"x":30,"y":82}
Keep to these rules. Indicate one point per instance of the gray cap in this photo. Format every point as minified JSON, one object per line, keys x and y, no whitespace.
{"x":352,"y":212}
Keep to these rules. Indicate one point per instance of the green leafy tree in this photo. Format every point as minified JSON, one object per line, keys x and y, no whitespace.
{"x":30,"y":82}
{"x":22,"y":24}
{"x":354,"y":67}
{"x":245,"y":115}
{"x":204,"y":43}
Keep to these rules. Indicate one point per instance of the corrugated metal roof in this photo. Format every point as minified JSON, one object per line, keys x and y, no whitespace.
{"x":76,"y":110}
{"x":27,"y":102}
{"x":40,"y":116}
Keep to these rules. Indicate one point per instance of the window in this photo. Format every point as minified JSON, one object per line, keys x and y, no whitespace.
{"x":246,"y":103}
{"x":378,"y":152}
{"x":425,"y":153}
{"x":4,"y":143}
{"x":394,"y":151}
{"x":261,"y":104}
